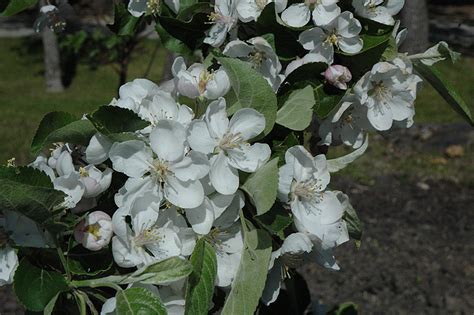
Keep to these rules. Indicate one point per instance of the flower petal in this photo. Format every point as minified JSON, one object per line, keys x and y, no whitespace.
{"x":133,"y":158}
{"x":247,"y":122}
{"x":224,"y":177}
{"x":167,"y":140}
{"x":296,"y":15}
{"x":183,"y":194}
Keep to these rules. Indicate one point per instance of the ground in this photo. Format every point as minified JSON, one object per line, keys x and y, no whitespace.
{"x":414,"y":190}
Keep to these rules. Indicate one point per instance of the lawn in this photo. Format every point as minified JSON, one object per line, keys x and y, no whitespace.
{"x":23,"y":100}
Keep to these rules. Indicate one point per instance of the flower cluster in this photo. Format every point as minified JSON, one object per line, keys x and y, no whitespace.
{"x":210,"y":170}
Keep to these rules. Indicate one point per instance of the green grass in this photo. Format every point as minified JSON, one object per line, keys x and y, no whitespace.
{"x":23,"y":100}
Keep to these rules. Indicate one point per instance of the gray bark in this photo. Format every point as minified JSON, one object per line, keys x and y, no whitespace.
{"x":52,"y":65}
{"x":414,"y":16}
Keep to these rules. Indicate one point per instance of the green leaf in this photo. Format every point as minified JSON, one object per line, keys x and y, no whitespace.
{"x":135,"y":301}
{"x":311,"y":72}
{"x":251,"y":90}
{"x":84,"y":262}
{"x":347,"y":308}
{"x":200,"y":285}
{"x":249,"y":282}
{"x":326,"y":100}
{"x":110,"y":120}
{"x":61,"y":127}
{"x":297,"y":111}
{"x":276,"y":220}
{"x":35,"y":287}
{"x":445,"y":89}
{"x":190,"y":26}
{"x":262,"y":186}
{"x":279,"y":148}
{"x":171,"y":43}
{"x":16,"y":6}
{"x":29,"y":197}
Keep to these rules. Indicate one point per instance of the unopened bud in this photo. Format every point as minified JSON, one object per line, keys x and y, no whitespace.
{"x":95,"y":231}
{"x":338,"y":76}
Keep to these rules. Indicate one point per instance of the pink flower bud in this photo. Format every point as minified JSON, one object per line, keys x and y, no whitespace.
{"x":338,"y":76}
{"x":95,"y":231}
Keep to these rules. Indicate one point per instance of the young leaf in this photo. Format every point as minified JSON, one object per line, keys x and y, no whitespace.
{"x":297,"y":111}
{"x":262,"y":186}
{"x":124,"y":22}
{"x":354,"y":225}
{"x":35,"y":287}
{"x":162,"y":272}
{"x":61,"y":127}
{"x":445,"y":89}
{"x":135,"y":301}
{"x":200,"y":285}
{"x":251,"y":90}
{"x":16,"y":6}
{"x":249,"y":282}
{"x":335,"y":165}
{"x":48,"y":310}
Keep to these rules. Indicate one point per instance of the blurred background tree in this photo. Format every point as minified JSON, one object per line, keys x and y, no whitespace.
{"x":414,"y":16}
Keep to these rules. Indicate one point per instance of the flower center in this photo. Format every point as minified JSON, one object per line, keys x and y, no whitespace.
{"x":332,"y":39}
{"x":93,"y":229}
{"x":257,"y":57}
{"x":11,"y":162}
{"x":161,"y":169}
{"x":231,"y":141}
{"x":204,"y":78}
{"x":311,"y":4}
{"x":148,"y":236}
{"x":83,"y":172}
{"x":153,"y":6}
{"x":306,"y":190}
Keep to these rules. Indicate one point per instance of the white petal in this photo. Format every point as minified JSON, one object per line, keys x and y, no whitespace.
{"x":296,"y":15}
{"x":167,"y":140}
{"x":201,"y":218}
{"x":311,"y":38}
{"x":296,"y":243}
{"x":183,"y":194}
{"x":247,"y":122}
{"x":132,"y":158}
{"x":237,"y":49}
{"x":64,"y":165}
{"x":98,"y":149}
{"x":216,"y":118}
{"x":272,"y":285}
{"x":324,"y":14}
{"x":227,"y":266}
{"x":224,"y":177}
{"x":194,"y":166}
{"x":199,"y":138}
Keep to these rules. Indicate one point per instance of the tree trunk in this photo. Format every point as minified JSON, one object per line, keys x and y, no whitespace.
{"x":415,"y":17}
{"x":52,"y":63}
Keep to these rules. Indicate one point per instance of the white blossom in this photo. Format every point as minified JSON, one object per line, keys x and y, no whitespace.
{"x":166,"y":164}
{"x":145,"y":240}
{"x":342,"y":33}
{"x":197,"y":81}
{"x":322,"y":12}
{"x":260,"y":53}
{"x":388,"y":92}
{"x":228,"y":144}
{"x":381,"y":11}
{"x":138,"y":8}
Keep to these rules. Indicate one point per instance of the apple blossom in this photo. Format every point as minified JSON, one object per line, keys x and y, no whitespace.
{"x":138,"y":8}
{"x":173,"y":170}
{"x":197,"y":81}
{"x":227,"y":143}
{"x":143,"y":241}
{"x":95,"y":231}
{"x":342,"y":33}
{"x":321,"y":11}
{"x":388,"y":92}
